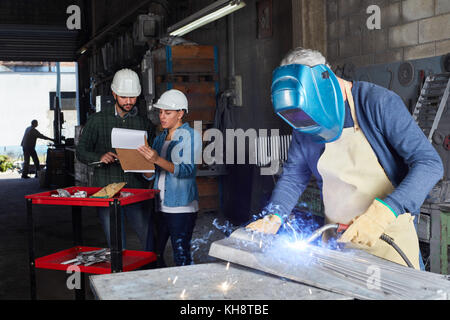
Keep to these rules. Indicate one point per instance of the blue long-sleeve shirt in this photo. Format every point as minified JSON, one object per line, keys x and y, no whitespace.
{"x":411,"y":163}
{"x":181,"y":187}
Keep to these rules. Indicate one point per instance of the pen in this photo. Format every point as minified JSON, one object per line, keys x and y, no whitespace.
{"x":99,"y":163}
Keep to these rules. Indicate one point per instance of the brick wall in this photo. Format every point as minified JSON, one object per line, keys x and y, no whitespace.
{"x":410,"y":29}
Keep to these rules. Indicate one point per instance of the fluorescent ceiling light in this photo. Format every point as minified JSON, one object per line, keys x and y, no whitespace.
{"x":200,"y":19}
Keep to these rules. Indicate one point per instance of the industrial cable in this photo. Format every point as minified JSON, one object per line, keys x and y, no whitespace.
{"x":391,"y":242}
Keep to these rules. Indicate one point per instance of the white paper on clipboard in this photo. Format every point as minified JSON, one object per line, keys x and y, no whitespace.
{"x":126,"y":141}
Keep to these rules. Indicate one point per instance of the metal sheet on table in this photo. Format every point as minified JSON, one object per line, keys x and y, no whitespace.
{"x":351,"y":272}
{"x":211,"y":281}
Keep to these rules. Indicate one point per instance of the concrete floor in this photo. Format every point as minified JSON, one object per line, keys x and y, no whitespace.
{"x":54,"y":233}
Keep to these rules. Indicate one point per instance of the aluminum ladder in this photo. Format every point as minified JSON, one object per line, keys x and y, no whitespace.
{"x":431,"y":103}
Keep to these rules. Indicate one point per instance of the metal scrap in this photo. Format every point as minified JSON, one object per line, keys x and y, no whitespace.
{"x":66,"y":194}
{"x":88,"y":258}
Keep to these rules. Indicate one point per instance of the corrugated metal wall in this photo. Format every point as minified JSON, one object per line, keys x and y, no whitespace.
{"x":35,"y":30}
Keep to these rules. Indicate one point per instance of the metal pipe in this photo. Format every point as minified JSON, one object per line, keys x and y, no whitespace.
{"x":57,"y":111}
{"x":112,"y":26}
{"x":77,"y":93}
{"x":199,"y":14}
{"x":231,"y":55}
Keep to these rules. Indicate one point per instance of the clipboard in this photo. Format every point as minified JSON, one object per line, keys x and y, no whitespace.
{"x":126,"y":142}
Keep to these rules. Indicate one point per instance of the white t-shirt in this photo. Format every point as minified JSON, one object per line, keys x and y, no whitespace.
{"x":191,"y":207}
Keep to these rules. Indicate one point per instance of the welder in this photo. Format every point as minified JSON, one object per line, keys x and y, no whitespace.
{"x":373,"y":164}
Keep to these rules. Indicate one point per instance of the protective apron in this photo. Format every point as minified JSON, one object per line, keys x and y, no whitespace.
{"x":352,"y":179}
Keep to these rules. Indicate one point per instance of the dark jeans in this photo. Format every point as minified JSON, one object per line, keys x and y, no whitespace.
{"x":139,"y":216}
{"x":27,"y":152}
{"x":179,"y":227}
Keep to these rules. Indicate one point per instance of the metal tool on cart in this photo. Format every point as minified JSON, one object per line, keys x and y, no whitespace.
{"x":88,"y":258}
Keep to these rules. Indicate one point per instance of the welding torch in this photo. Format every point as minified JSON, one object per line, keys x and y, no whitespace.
{"x":342,"y":227}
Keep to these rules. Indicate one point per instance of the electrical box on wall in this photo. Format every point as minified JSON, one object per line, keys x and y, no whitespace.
{"x":148,"y":78}
{"x":147,"y":27}
{"x":236,"y":86}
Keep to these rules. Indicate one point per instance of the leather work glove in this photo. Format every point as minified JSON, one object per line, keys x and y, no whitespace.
{"x":368,"y":227}
{"x":269,"y":224}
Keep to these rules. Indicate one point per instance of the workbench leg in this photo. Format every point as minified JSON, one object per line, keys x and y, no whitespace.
{"x":439,"y":241}
{"x":30,"y":224}
{"x":444,"y":242}
{"x":77,"y":226}
{"x":78,"y":241}
{"x":116,"y":236}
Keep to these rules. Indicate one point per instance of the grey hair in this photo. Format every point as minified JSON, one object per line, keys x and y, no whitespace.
{"x":303,"y":56}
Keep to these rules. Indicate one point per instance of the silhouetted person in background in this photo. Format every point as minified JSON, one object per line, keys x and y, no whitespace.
{"x":28,"y":145}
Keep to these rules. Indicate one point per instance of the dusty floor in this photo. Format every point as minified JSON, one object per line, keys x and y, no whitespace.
{"x":54,"y":233}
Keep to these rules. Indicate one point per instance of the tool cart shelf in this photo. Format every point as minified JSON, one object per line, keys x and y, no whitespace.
{"x":121,"y":260}
{"x":131,"y":260}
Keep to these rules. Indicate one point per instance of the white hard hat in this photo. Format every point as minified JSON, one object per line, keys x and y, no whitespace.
{"x":172,"y":99}
{"x":126,"y":83}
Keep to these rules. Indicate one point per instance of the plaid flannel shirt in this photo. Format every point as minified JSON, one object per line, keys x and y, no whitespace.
{"x":95,"y":141}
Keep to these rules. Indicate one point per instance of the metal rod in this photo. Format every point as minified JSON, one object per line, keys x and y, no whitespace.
{"x":392,"y":286}
{"x":31,"y":257}
{"x":405,"y":279}
{"x":76,"y":226}
{"x":116,"y":237}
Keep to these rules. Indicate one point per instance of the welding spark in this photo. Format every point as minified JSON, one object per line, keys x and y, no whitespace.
{"x":183,"y":294}
{"x":224,"y":286}
{"x":175,"y":280}
{"x":228,"y":266}
{"x":298,"y":245}
{"x":295,"y":232}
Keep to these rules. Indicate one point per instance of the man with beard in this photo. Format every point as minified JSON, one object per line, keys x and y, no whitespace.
{"x":95,"y":145}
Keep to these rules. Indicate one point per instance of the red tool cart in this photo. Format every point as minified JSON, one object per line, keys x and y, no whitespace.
{"x":121,"y":260}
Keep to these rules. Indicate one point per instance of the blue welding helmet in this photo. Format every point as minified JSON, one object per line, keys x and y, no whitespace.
{"x":310,"y":100}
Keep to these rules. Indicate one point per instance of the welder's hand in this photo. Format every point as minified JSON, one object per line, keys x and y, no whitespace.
{"x":108,"y":157}
{"x":149,"y":154}
{"x":269,"y":224}
{"x":368,"y":227}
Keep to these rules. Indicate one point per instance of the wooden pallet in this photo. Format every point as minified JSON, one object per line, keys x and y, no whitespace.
{"x":208,"y":193}
{"x":185,"y":59}
{"x":201,"y":98}
{"x":192,"y":69}
{"x":186,"y":77}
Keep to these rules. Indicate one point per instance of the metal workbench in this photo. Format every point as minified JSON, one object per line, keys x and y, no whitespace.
{"x":210,"y":281}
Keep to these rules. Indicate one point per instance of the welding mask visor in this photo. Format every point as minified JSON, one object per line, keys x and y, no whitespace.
{"x":310,"y":100}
